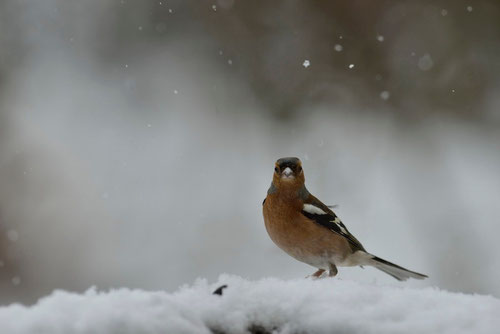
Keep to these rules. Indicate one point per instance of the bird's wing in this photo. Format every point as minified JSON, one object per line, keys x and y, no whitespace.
{"x":322,"y":215}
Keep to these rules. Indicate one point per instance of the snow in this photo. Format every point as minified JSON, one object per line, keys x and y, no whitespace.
{"x":425,"y":63}
{"x":12,"y":235}
{"x":16,"y":280}
{"x":306,"y":63}
{"x":384,"y":95}
{"x":294,"y":306}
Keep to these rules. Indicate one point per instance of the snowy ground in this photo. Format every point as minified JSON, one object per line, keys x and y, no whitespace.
{"x":295,"y":306}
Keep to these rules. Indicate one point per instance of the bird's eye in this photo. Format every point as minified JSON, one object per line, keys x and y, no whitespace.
{"x":299,"y":169}
{"x":276,"y":169}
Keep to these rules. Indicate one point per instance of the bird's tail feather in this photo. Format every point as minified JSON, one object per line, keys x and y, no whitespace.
{"x":399,"y":273}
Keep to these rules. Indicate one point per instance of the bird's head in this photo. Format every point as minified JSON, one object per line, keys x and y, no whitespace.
{"x":288,"y":173}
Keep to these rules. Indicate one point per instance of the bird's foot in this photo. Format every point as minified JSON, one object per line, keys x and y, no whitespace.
{"x":317,"y":274}
{"x":333,"y":271}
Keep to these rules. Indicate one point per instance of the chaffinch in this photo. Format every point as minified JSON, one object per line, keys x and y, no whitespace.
{"x":310,"y":231}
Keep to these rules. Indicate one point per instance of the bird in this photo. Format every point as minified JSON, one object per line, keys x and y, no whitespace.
{"x":309,"y":231}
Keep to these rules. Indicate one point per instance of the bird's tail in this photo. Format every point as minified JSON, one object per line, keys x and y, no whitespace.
{"x":399,"y":273}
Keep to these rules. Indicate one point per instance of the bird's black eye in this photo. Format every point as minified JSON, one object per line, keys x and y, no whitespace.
{"x":276,"y":169}
{"x":299,"y":169}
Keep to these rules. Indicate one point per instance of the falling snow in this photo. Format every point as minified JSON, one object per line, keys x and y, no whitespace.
{"x":12,"y":235}
{"x":16,"y":280}
{"x":425,"y":62}
{"x":306,"y":63}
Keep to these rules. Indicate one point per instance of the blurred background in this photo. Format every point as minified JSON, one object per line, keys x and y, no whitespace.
{"x":138,"y":138}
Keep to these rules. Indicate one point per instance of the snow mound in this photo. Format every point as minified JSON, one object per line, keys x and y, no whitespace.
{"x":264,"y":306}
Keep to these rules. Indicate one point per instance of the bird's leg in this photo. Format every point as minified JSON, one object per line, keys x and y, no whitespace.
{"x":333,"y":270}
{"x":317,"y":274}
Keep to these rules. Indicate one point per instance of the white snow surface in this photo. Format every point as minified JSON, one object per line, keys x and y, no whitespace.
{"x":294,"y":306}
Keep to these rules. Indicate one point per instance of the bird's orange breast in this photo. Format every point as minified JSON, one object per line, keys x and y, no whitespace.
{"x":299,"y":236}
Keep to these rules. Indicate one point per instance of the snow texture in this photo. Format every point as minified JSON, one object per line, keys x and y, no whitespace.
{"x":267,"y":305}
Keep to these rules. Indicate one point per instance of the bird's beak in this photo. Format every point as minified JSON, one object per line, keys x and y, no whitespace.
{"x":287,"y":173}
